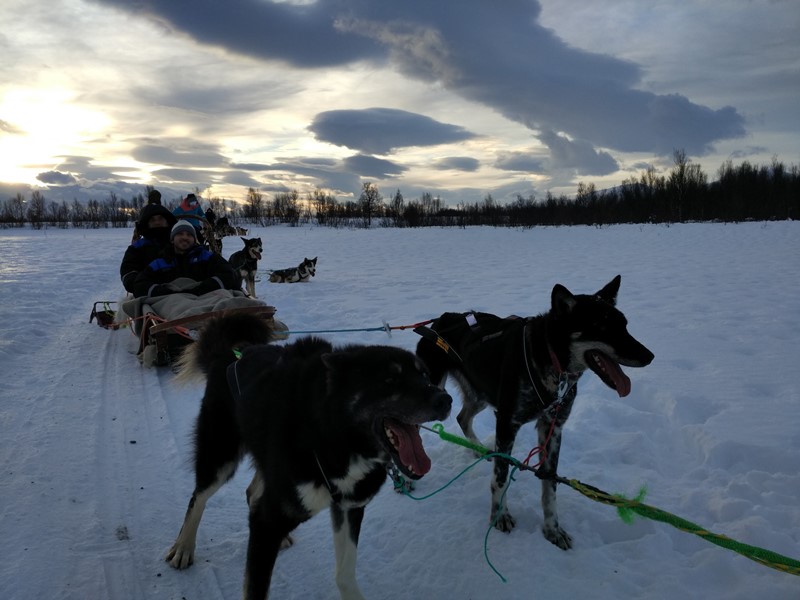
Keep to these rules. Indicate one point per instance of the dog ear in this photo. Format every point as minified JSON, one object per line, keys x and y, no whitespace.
{"x":609,"y":292}
{"x":244,"y":240}
{"x":561,"y":300}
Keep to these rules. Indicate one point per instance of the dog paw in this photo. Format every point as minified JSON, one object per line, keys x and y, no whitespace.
{"x":179,"y":557}
{"x":557,"y":536}
{"x":505,"y":522}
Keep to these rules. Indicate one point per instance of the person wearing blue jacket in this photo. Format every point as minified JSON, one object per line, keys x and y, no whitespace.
{"x":154,"y":226}
{"x":185,"y":258}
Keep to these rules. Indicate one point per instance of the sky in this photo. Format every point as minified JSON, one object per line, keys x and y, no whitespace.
{"x":97,"y":457}
{"x":456,"y":98}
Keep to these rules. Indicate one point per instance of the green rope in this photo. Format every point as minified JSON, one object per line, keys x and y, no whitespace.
{"x":627,"y":509}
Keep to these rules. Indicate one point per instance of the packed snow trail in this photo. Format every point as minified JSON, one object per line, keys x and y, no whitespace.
{"x":96,"y":451}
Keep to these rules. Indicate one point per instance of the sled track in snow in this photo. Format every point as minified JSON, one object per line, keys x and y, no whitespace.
{"x":141,"y":479}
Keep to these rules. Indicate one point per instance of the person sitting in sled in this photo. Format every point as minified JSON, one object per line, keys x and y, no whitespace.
{"x":187,"y":279}
{"x":154,"y":225}
{"x":189,"y":209}
{"x":153,"y":197}
{"x":185,"y":259}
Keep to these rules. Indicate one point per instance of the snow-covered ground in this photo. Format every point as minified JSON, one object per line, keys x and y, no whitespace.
{"x":96,"y":450}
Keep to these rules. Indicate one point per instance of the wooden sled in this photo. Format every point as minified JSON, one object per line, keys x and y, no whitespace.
{"x":160,"y":340}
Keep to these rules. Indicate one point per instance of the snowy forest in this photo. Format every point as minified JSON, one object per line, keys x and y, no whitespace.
{"x":743,"y":192}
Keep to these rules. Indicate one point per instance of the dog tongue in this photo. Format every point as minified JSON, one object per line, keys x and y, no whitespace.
{"x":612,"y":369}
{"x":409,"y":447}
{"x":258,"y":255}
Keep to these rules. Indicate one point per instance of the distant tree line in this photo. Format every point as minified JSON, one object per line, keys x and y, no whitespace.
{"x":740,"y":193}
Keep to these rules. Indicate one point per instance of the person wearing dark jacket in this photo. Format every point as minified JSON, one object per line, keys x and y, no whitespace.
{"x":211,"y":217}
{"x":154,"y":225}
{"x":184,"y":258}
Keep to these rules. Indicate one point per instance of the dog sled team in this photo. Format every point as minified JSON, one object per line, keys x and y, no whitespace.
{"x":323,"y":425}
{"x":176,"y":277}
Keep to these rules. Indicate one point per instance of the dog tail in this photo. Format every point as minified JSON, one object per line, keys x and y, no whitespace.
{"x":219,"y":339}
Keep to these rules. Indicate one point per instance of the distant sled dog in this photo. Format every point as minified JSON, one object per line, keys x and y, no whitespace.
{"x":245,"y":262}
{"x":303,"y":272}
{"x":322,"y":426}
{"x":223,"y":228}
{"x":516,"y":365}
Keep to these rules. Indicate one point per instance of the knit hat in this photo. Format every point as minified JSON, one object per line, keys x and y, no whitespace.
{"x":151,"y":210}
{"x":183,"y":225}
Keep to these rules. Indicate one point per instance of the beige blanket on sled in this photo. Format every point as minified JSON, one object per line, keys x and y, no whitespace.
{"x":181,"y":304}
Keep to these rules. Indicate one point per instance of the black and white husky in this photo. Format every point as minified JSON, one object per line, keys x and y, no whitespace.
{"x":303,"y":272}
{"x":322,"y":426}
{"x":245,"y":262}
{"x":516,"y":365}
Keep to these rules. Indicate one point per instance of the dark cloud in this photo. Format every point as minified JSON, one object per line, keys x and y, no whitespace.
{"x":192,"y":177}
{"x":520,"y":161}
{"x":240,"y":178}
{"x":369,"y":166}
{"x":302,"y":35}
{"x":213,"y":94}
{"x":251,"y":166}
{"x":181,"y":154}
{"x":56,"y":178}
{"x":748,"y":152}
{"x":381,"y":130}
{"x":531,"y":76}
{"x":291,"y":164}
{"x":578,"y":156}
{"x":526,"y":72}
{"x":84,"y":169}
{"x":457,"y":163}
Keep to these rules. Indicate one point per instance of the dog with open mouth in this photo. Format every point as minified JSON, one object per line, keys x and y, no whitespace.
{"x":527,"y":369}
{"x":322,"y":425}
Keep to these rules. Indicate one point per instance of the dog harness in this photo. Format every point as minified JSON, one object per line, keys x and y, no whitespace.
{"x":566,"y":380}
